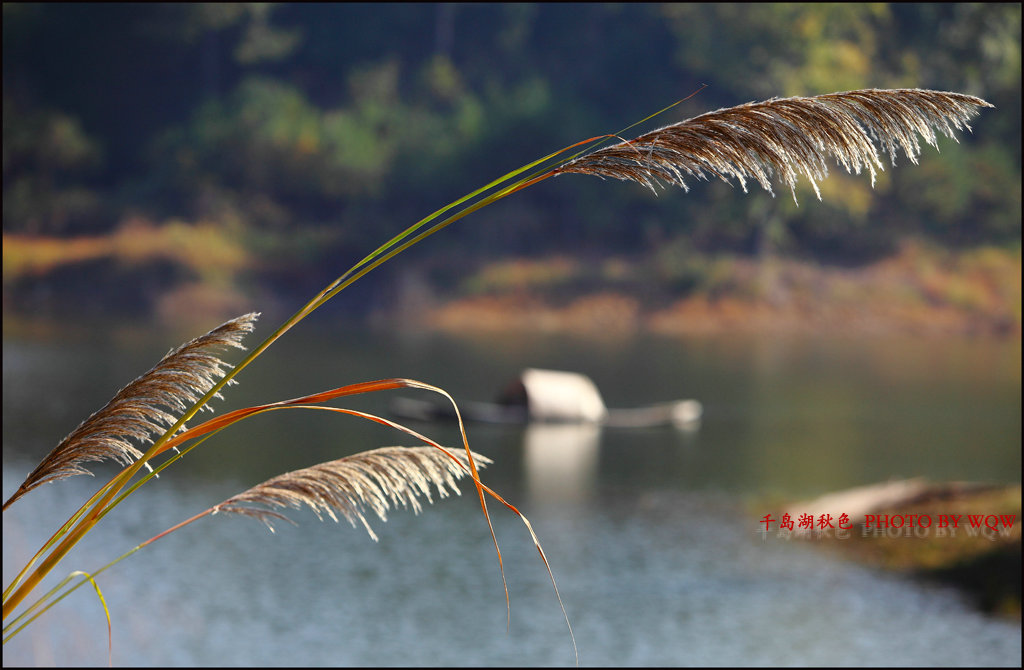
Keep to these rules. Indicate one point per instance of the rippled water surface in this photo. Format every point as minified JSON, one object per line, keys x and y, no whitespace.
{"x":652,"y":534}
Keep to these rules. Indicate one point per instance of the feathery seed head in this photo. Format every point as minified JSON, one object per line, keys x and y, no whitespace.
{"x":143,"y":409}
{"x":378,"y":479}
{"x":787,"y":136}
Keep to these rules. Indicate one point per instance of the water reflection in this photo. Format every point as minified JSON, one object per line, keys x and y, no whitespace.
{"x":560,"y":460}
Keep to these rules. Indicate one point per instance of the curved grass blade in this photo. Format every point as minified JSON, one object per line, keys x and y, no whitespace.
{"x":106,"y":611}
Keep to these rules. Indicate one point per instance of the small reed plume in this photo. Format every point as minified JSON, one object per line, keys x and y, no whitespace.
{"x":143,"y":409}
{"x":788,"y":136}
{"x":376,"y":479}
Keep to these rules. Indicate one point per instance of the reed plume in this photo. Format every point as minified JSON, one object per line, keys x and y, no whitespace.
{"x":376,"y":479}
{"x":143,"y":409}
{"x":788,"y":136}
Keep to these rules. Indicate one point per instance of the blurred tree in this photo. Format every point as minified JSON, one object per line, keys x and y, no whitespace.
{"x":47,"y":160}
{"x":327,"y":117}
{"x":972,"y":194}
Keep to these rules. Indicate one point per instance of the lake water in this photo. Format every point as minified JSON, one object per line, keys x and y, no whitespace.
{"x":652,"y":534}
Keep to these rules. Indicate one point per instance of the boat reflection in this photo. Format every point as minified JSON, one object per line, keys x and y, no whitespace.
{"x":560,"y":461}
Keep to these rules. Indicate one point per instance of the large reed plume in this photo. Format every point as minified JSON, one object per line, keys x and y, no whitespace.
{"x":143,"y":409}
{"x":787,"y":136}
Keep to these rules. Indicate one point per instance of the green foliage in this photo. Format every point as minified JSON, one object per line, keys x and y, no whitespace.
{"x":46,"y":156}
{"x":769,"y":49}
{"x":266,"y":138}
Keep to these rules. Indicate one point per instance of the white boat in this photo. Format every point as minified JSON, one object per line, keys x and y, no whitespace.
{"x":554,"y":396}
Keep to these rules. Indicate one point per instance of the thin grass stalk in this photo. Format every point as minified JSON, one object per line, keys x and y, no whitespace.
{"x":535,"y":177}
{"x":50,"y":598}
{"x":204,"y":433}
{"x":156,"y":471}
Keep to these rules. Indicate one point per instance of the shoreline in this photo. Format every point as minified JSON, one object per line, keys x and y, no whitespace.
{"x":920,"y":290}
{"x":611,"y":314}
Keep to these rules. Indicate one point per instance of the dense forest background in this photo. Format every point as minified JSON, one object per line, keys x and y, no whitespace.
{"x":230,"y":152}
